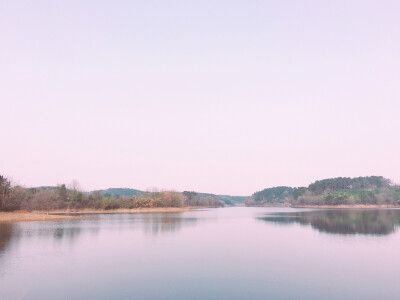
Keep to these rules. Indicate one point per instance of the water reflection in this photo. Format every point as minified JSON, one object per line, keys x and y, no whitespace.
{"x":68,"y":234}
{"x":336,"y":221}
{"x":225,"y":253}
{"x":70,"y":230}
{"x":5,"y":235}
{"x":155,"y":224}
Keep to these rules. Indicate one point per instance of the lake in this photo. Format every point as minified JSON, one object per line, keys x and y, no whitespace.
{"x":224,"y":253}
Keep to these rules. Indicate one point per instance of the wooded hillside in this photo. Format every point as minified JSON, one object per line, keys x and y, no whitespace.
{"x":374,"y":190}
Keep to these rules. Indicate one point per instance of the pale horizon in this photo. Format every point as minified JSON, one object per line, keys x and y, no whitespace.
{"x":224,"y":98}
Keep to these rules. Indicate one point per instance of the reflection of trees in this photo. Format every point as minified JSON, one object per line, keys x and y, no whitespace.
{"x":5,"y":235}
{"x":165,"y":222}
{"x":373,"y":222}
{"x":61,"y":231}
{"x":70,"y":234}
{"x":69,"y":231}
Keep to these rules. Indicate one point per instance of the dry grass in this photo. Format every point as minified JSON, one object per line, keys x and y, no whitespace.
{"x":32,"y":216}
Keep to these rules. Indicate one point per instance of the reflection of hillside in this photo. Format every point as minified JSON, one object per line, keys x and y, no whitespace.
{"x":373,"y":222}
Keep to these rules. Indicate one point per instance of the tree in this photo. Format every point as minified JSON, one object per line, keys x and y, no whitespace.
{"x":62,"y":195}
{"x":5,"y":190}
{"x":75,"y":196}
{"x":44,"y":200}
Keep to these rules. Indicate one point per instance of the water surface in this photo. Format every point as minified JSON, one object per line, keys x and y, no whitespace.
{"x":225,"y":253}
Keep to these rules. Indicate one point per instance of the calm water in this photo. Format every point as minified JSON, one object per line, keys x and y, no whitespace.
{"x":225,"y":253}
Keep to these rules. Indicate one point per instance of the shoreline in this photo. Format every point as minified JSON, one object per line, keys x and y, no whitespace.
{"x":347,"y":206}
{"x":57,"y":215}
{"x":90,"y":211}
{"x":76,"y":214}
{"x":329,"y":206}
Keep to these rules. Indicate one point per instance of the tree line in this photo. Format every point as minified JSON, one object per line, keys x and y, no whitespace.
{"x":375,"y":190}
{"x":345,"y":183}
{"x":64,"y":198}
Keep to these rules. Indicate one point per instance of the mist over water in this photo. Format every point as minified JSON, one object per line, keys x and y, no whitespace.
{"x":225,"y":253}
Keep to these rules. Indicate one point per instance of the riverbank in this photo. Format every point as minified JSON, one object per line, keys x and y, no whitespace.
{"x":347,"y":206}
{"x":55,"y":215}
{"x":327,"y":206}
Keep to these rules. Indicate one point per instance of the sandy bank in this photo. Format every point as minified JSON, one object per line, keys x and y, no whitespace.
{"x":32,"y":216}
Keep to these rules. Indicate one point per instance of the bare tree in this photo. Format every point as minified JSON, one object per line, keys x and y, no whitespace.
{"x":44,"y":200}
{"x":75,"y":185}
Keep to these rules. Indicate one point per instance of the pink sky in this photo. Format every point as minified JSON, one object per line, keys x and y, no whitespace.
{"x":227,"y":97}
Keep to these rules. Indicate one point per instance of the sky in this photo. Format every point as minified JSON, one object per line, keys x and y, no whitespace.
{"x":226,"y":97}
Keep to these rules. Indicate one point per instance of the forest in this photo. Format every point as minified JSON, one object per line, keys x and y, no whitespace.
{"x":61,"y":197}
{"x":369,"y":190}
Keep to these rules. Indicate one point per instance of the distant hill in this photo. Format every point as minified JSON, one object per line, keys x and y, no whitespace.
{"x":227,"y":199}
{"x":127,"y":192}
{"x":232,"y":199}
{"x":117,"y":192}
{"x":45,"y":187}
{"x":277,"y":194}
